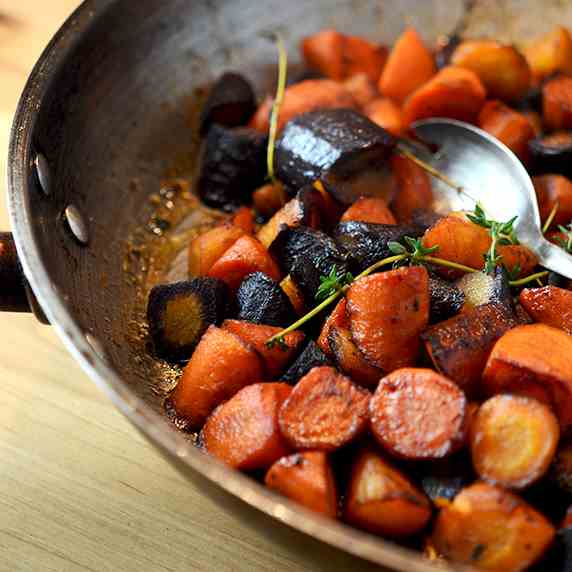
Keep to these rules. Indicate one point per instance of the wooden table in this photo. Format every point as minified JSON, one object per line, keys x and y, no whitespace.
{"x":79,"y":488}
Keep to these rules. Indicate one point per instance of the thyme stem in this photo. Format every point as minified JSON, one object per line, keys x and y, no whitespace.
{"x":528,"y":279}
{"x":449,"y":264}
{"x":550,"y":218}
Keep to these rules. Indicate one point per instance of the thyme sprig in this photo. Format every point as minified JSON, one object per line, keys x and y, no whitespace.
{"x":333,"y":283}
{"x":566,"y":242}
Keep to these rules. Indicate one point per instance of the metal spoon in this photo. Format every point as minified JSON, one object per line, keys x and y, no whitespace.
{"x":488,"y":172}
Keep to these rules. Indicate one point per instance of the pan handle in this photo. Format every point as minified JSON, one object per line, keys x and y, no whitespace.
{"x":15,"y":294}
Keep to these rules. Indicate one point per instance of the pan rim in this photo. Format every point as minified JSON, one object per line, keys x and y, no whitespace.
{"x":147,"y":421}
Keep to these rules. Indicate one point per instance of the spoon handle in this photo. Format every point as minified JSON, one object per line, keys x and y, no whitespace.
{"x":555,"y":258}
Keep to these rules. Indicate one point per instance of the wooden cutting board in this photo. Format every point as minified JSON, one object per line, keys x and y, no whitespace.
{"x":79,"y":488}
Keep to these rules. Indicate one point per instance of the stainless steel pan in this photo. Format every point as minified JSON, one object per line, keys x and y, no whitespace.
{"x":102,"y":122}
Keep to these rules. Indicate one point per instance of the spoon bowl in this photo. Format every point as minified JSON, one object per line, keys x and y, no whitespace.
{"x":488,"y":172}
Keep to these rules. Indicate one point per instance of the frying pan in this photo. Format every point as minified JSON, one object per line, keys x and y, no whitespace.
{"x":103,"y":123}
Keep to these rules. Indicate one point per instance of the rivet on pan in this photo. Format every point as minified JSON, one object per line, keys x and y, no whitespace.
{"x":96,"y":345}
{"x":76,"y":224}
{"x":43,"y":173}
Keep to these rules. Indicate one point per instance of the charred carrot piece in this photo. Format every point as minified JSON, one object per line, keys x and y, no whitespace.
{"x":369,"y":209}
{"x":388,"y":312}
{"x":387,"y":114}
{"x":251,"y":414}
{"x":208,"y":247}
{"x":338,"y":317}
{"x":552,"y":190}
{"x":414,"y":188}
{"x":302,"y":97}
{"x":408,"y":67}
{"x":508,"y":126}
{"x":308,"y":479}
{"x":325,"y":411}
{"x":460,"y":346}
{"x":454,"y":92}
{"x":502,"y":69}
{"x":534,"y":361}
{"x":550,"y":305}
{"x":466,"y":243}
{"x":350,"y":360}
{"x":513,"y":440}
{"x":550,"y":53}
{"x":244,"y":257}
{"x":492,"y":529}
{"x":557,"y":103}
{"x":221,"y":365}
{"x":381,"y":500}
{"x":244,"y":219}
{"x":362,"y":89}
{"x":256,"y":335}
{"x":416,"y":413}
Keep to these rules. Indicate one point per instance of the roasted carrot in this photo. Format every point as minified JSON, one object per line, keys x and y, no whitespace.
{"x":550,"y":305}
{"x":508,"y":126}
{"x":330,"y":209}
{"x":409,"y":66}
{"x":460,"y":346}
{"x":255,"y":335}
{"x":535,"y":120}
{"x":466,"y":243}
{"x":325,"y":411}
{"x":415,"y":413}
{"x":339,"y":57}
{"x":557,"y":103}
{"x":306,"y":478}
{"x":552,"y":190}
{"x":414,"y":188}
{"x":380,"y":499}
{"x":338,"y":317}
{"x":534,"y":360}
{"x":208,"y":247}
{"x":221,"y":365}
{"x":244,"y":219}
{"x":294,"y":294}
{"x":502,"y":69}
{"x":513,"y":440}
{"x":492,"y":529}
{"x":269,"y":199}
{"x":252,"y":414}
{"x":387,"y":114}
{"x":302,"y":97}
{"x":388,"y":312}
{"x":350,"y":360}
{"x":244,"y":257}
{"x":369,"y":209}
{"x":454,"y":92}
{"x":550,"y":54}
{"x":362,"y":89}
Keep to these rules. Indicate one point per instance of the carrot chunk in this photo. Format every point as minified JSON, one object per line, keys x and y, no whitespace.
{"x":534,"y":361}
{"x":251,"y":414}
{"x":466,"y":243}
{"x":502,"y":69}
{"x":362,"y":89}
{"x":387,"y":114}
{"x":460,"y":346}
{"x":360,"y":56}
{"x":221,"y":365}
{"x":388,"y":312}
{"x":513,"y":440}
{"x":414,"y":188}
{"x":381,"y":500}
{"x":294,"y":294}
{"x":269,"y":199}
{"x":244,"y":219}
{"x":338,"y":317}
{"x":550,"y":305}
{"x":409,"y":66}
{"x":416,"y":413}
{"x":552,"y":190}
{"x":557,"y":103}
{"x":492,"y":529}
{"x":308,"y":479}
{"x":244,"y":257}
{"x":454,"y":92}
{"x":302,"y":97}
{"x":256,"y":335}
{"x":550,"y":54}
{"x":369,"y":209}
{"x":325,"y":411}
{"x":208,"y":247}
{"x":508,"y":126}
{"x":350,"y":360}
